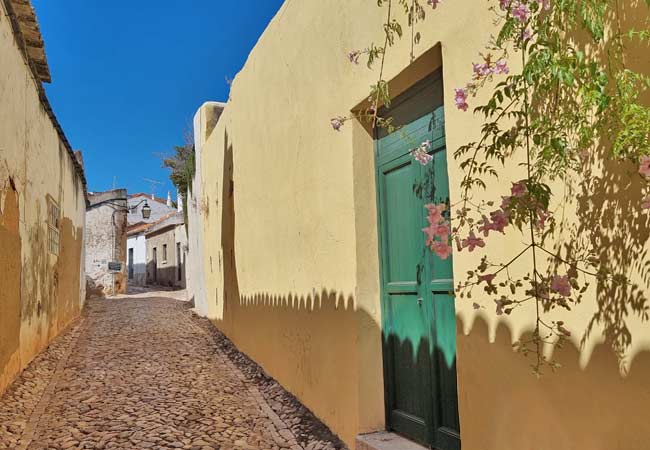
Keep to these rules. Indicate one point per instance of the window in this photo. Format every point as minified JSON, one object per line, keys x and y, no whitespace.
{"x":164,"y":253}
{"x":53,"y":219}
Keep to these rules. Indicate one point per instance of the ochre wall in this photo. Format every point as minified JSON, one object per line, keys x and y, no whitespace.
{"x":291,"y":253}
{"x":40,"y":293}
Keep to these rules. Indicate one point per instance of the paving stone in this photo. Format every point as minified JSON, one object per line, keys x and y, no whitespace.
{"x":144,"y":372}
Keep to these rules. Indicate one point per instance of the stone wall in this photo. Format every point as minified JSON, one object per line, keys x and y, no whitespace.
{"x":42,"y":212}
{"x":106,"y":243}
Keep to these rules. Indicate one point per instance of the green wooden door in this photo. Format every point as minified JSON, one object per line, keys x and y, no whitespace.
{"x":419,"y":328}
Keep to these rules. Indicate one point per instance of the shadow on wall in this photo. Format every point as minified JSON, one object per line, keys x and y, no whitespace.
{"x":611,"y":222}
{"x":137,"y":274}
{"x":40,"y":296}
{"x":503,"y":406}
{"x":617,"y":229}
{"x":164,"y":276}
{"x":307,"y":341}
{"x":10,"y":264}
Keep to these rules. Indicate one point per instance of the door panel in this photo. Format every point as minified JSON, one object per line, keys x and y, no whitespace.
{"x":438,"y":192}
{"x":418,"y":317}
{"x":409,"y":335}
{"x":401,"y":213}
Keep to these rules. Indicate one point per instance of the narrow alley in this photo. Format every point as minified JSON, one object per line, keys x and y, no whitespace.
{"x":142,"y":372}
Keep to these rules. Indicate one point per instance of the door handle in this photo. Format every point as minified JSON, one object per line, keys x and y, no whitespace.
{"x":418,"y":274}
{"x":420,"y":301}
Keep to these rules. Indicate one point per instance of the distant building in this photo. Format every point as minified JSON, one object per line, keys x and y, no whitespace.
{"x":137,"y":254}
{"x":106,"y":243}
{"x":137,"y":226}
{"x":166,"y":244}
{"x":159,"y":208}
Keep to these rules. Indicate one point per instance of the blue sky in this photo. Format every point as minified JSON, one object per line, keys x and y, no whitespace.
{"x":127,"y":76}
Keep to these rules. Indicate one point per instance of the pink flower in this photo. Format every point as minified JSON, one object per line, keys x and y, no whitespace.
{"x":471,"y":242}
{"x":354,"y":55}
{"x":430,"y":232}
{"x":486,"y":227}
{"x":442,"y":230}
{"x":439,"y":227}
{"x":544,"y":4}
{"x":518,"y":189}
{"x":433,"y":231}
{"x":421,"y":154}
{"x":504,"y":4}
{"x":434,"y":3}
{"x":337,"y":123}
{"x":526,"y":34}
{"x":442,"y":249}
{"x":500,"y":220}
{"x":561,"y":285}
{"x":644,"y":166}
{"x":521,"y":12}
{"x":435,"y":212}
{"x":461,"y":99}
{"x":481,"y":70}
{"x":501,"y":66}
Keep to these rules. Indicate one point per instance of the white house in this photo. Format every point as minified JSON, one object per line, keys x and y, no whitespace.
{"x":136,"y":232}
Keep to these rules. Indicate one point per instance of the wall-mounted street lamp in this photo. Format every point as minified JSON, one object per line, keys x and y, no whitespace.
{"x":146,"y":209}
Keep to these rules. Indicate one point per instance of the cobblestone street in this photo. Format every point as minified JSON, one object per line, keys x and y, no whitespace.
{"x":138,"y":373}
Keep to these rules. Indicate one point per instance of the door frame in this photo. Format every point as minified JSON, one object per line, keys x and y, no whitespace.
{"x":380,"y":161}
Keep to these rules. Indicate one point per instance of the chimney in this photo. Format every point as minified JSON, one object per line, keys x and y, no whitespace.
{"x":169,"y":199}
{"x":179,"y":201}
{"x":153,"y":197}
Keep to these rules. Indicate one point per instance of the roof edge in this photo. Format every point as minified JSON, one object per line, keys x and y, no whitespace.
{"x":15,"y":22}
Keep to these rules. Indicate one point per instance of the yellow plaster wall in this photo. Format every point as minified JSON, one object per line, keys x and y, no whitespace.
{"x":290,"y":238}
{"x":40,"y":292}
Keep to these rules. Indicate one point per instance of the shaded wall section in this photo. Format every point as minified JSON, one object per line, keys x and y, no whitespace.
{"x":10,"y":265}
{"x":505,"y":407}
{"x":42,"y":212}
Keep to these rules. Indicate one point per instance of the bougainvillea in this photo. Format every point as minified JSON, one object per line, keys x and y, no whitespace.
{"x":548,"y":118}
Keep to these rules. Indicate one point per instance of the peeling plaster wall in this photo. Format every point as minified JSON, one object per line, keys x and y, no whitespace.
{"x":106,"y":237}
{"x":40,"y":292}
{"x":288,"y":231}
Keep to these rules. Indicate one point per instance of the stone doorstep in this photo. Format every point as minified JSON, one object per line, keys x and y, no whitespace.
{"x":384,"y":440}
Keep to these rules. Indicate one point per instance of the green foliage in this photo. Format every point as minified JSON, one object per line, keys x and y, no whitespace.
{"x":574,"y":98}
{"x":182,"y":165}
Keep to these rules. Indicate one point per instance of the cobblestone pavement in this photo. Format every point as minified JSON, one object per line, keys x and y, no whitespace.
{"x":140,"y":373}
